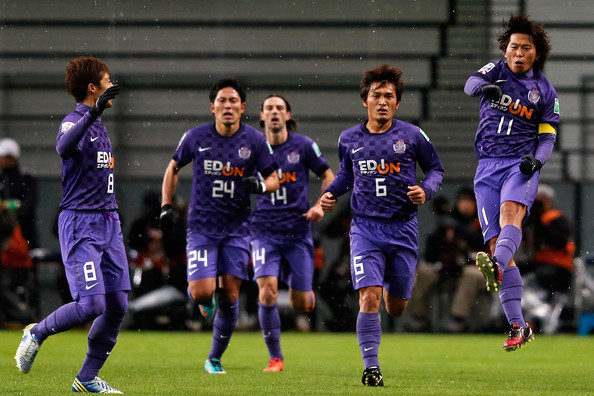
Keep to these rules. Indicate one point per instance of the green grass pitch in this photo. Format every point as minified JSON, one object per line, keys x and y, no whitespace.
{"x":171,"y":363}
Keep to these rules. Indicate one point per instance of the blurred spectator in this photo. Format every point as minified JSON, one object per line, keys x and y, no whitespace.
{"x":336,"y":288}
{"x":449,"y":262}
{"x":18,"y":234}
{"x":554,"y":248}
{"x":158,"y":266}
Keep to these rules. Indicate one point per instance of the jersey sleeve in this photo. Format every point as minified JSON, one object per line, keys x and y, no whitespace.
{"x":184,"y":153}
{"x":430,"y":164}
{"x":265,"y":162}
{"x":314,"y":158}
{"x":343,"y":182}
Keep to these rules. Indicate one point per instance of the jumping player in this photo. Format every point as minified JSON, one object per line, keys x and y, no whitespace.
{"x":378,"y":161}
{"x":519,"y":118}
{"x":89,"y":230}
{"x":282,"y":244}
{"x":225,"y":153}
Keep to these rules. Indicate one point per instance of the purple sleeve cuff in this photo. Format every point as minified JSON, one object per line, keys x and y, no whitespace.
{"x":546,"y":143}
{"x":473,"y":86}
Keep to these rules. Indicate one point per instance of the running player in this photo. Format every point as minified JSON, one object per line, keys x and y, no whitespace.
{"x":225,"y":153}
{"x":282,"y":244}
{"x":378,"y":161}
{"x":519,"y":118}
{"x":89,"y":230}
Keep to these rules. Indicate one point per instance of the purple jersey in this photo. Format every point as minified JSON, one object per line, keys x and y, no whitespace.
{"x":509,"y":127}
{"x":379,"y":168}
{"x":218,"y":203}
{"x":88,"y":168}
{"x":280,"y":213}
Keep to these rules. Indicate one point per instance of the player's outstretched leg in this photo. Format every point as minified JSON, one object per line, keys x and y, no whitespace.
{"x":488,"y":266}
{"x":96,"y":385}
{"x":207,"y":310}
{"x":27,"y":350}
{"x":372,"y":376}
{"x":518,"y":336}
{"x":214,"y":366}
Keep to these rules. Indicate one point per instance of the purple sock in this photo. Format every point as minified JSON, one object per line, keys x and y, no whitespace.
{"x":510,"y":295}
{"x":103,"y":334}
{"x":223,"y":327}
{"x":270,"y":324}
{"x":369,"y":333}
{"x":507,"y":244}
{"x":73,"y":314}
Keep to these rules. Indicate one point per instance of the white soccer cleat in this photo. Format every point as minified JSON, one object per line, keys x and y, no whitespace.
{"x":27,"y":350}
{"x":96,"y":385}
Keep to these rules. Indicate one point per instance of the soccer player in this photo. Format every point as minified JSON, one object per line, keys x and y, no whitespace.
{"x":378,"y":161}
{"x":282,"y":244}
{"x":89,"y":230}
{"x":226,"y":154}
{"x":519,"y":118}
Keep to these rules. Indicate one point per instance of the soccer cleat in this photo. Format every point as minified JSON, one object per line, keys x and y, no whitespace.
{"x":96,"y":385}
{"x":207,"y":310}
{"x":27,"y":350}
{"x":214,"y":366}
{"x":490,"y":270}
{"x":518,"y":336}
{"x":372,"y":376}
{"x":275,"y":364}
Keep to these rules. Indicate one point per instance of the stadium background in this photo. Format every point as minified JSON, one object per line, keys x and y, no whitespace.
{"x":167,"y":54}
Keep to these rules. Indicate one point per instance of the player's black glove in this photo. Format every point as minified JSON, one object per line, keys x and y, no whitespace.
{"x":492,"y":91}
{"x":252,"y":185}
{"x":530,"y":164}
{"x":166,"y":217}
{"x":102,"y":100}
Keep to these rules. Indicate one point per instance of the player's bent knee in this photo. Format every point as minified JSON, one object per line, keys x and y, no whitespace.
{"x":92,"y":306}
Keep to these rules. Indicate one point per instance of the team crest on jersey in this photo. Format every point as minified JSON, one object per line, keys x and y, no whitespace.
{"x":244,"y":153}
{"x":399,"y":147}
{"x":66,"y":126}
{"x":487,"y":68}
{"x":534,"y":96}
{"x":293,"y":157}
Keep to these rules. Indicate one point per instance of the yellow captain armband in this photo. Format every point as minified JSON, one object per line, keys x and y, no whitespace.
{"x":546,"y":128}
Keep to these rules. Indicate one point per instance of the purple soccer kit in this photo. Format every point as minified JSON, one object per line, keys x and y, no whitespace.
{"x":91,"y":240}
{"x":218,"y":229}
{"x":523,"y":121}
{"x":277,"y":221}
{"x":379,"y":168}
{"x":282,"y":244}
{"x":219,"y":206}
{"x":509,"y":129}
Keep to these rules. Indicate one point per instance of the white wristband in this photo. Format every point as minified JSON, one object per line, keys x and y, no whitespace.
{"x":263,"y":187}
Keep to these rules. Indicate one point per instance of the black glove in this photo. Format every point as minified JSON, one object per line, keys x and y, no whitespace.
{"x":252,"y":185}
{"x":166,"y":217}
{"x":530,"y":164}
{"x":492,"y":91}
{"x":102,"y":100}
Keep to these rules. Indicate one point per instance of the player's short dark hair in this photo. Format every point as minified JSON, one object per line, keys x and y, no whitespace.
{"x":384,"y":75}
{"x":291,"y":123}
{"x":522,"y":24}
{"x":82,"y":71}
{"x":224,"y":83}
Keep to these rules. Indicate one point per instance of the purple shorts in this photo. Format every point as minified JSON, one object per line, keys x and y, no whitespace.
{"x":384,"y":253}
{"x":499,"y":180}
{"x":93,"y":252}
{"x":289,"y":260}
{"x":209,"y":255}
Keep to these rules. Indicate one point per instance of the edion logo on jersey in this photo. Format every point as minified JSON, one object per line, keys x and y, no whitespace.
{"x":104,"y":160}
{"x":217,"y":168}
{"x":371,"y":167}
